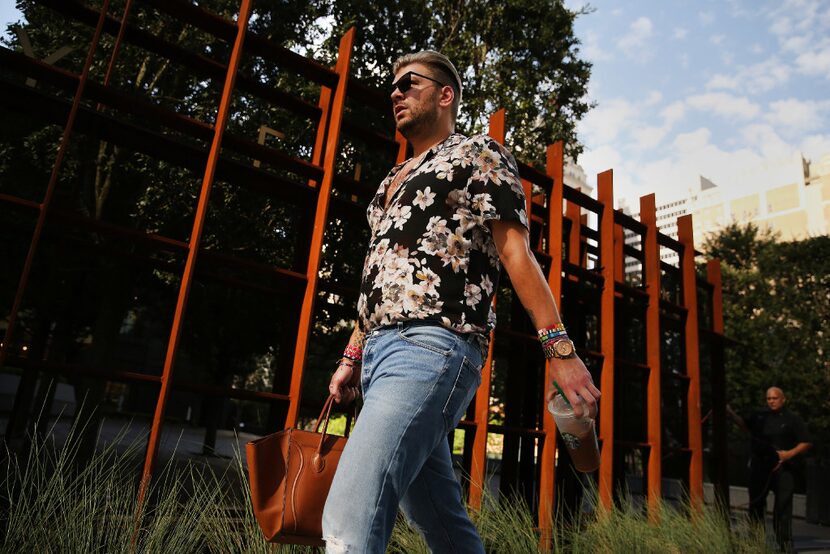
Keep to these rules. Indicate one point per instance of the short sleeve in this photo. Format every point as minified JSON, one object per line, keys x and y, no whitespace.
{"x":495,"y":187}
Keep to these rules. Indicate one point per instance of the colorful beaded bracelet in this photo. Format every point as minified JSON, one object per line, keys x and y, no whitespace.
{"x":552,"y":329}
{"x":354,"y":353}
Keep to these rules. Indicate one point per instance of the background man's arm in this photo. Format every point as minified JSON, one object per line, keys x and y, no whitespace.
{"x":800,"y":448}
{"x":532,"y":288}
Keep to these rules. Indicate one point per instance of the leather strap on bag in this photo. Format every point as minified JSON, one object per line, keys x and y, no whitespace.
{"x":318,"y":461}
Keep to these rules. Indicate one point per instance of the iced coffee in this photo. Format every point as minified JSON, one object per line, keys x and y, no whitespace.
{"x":578,"y":434}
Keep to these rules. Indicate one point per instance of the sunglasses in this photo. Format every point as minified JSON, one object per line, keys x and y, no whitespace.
{"x":405,"y":82}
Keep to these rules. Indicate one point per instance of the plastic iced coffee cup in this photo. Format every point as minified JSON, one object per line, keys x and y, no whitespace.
{"x":578,"y":434}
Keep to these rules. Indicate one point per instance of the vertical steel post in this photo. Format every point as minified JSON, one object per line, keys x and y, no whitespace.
{"x":50,"y":188}
{"x":193,"y":248}
{"x":719,"y":420}
{"x":478,"y":471}
{"x":651,"y":277}
{"x":547,"y":480}
{"x":321,"y":214}
{"x":605,"y":195}
{"x":689,"y":279}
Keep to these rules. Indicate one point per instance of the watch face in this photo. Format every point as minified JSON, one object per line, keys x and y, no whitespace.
{"x":564,"y":348}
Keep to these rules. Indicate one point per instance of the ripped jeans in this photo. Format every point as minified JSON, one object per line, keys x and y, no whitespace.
{"x":417,"y":382}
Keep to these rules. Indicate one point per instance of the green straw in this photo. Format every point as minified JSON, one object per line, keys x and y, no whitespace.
{"x":565,"y":398}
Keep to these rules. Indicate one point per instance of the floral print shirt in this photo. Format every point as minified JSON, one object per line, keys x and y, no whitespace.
{"x":431,"y":255}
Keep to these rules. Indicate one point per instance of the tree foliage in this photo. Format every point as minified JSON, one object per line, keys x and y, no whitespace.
{"x":776,"y":308}
{"x":521,"y":55}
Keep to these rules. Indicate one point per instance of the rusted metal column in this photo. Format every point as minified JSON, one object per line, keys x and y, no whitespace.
{"x":50,"y":188}
{"x":619,"y":254}
{"x":193,"y":249}
{"x":478,"y":471}
{"x":718,"y":378}
{"x":344,"y":56}
{"x":605,"y":195}
{"x":547,"y":481}
{"x":689,"y":278}
{"x":651,"y":278}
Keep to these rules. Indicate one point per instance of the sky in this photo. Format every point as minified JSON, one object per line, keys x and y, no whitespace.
{"x":726,"y":89}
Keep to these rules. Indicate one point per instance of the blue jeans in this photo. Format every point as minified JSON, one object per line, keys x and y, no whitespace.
{"x":417,"y":381}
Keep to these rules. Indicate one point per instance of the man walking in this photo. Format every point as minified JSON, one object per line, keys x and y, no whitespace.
{"x":443,"y":223}
{"x":779,"y":441}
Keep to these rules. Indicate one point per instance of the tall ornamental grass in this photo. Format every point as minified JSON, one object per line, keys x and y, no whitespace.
{"x":51,"y":503}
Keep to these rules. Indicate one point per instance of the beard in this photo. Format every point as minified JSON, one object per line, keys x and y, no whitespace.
{"x":422,"y":117}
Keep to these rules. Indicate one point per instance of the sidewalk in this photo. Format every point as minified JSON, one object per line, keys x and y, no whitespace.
{"x":809,"y":537}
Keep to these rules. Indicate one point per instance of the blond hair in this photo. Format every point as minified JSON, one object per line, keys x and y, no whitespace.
{"x":439,"y":63}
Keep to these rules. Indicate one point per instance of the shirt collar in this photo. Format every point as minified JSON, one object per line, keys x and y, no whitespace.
{"x":452,"y":140}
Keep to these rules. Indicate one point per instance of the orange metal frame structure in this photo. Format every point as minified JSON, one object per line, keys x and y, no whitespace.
{"x":579,"y":241}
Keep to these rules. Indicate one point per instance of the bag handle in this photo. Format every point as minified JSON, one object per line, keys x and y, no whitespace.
{"x":318,"y":462}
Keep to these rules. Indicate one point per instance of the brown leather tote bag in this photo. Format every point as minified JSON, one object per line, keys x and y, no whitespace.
{"x":290,"y":473}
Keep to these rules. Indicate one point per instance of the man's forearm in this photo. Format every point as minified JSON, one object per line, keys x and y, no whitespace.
{"x":357,"y":337}
{"x":533,"y":290}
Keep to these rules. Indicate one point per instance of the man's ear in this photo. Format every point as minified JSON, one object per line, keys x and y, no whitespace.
{"x":447,"y":96}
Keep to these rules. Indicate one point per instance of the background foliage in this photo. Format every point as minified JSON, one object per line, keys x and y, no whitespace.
{"x":776,"y":309}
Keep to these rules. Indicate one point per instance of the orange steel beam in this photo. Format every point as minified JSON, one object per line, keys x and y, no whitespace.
{"x":193,"y":249}
{"x":5,"y":346}
{"x":651,"y":277}
{"x":478,"y":471}
{"x":321,"y":214}
{"x":619,"y":256}
{"x":605,"y":195}
{"x":713,"y":275}
{"x":574,"y":213}
{"x":320,"y":138}
{"x":117,"y":46}
{"x":402,"y":144}
{"x":547,"y":479}
{"x":720,"y":441}
{"x":689,"y":277}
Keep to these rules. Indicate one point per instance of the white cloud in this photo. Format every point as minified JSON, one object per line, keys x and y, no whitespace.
{"x":673,"y":113}
{"x":592,"y":50}
{"x":680,"y":33}
{"x":634,"y":42}
{"x":706,"y":18}
{"x":717,"y":39}
{"x":816,"y":146}
{"x":766,"y":140}
{"x":608,"y":120}
{"x":798,"y":116}
{"x":725,"y":105}
{"x":815,"y":62}
{"x":654,"y":97}
{"x":753,"y":79}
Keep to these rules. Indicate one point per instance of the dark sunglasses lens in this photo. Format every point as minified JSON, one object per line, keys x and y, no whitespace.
{"x":403,"y":84}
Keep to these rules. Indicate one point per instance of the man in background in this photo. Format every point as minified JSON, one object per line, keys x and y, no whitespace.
{"x":779,"y":440}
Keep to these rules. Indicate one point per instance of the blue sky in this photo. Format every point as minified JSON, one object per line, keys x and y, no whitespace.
{"x":727,"y":89}
{"x":718,"y":88}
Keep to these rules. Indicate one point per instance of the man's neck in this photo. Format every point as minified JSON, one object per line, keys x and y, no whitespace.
{"x":422,"y":143}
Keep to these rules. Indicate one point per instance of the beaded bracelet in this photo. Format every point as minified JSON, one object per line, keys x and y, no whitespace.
{"x":354,"y":353}
{"x":552,"y":330}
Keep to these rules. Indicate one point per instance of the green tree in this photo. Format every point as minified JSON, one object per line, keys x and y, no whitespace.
{"x":521,"y":55}
{"x":776,"y":302}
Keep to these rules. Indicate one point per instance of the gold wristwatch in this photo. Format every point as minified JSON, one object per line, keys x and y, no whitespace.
{"x":564,"y":348}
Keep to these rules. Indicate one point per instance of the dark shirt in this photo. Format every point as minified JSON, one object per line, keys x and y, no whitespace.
{"x":431,"y":255}
{"x":772,"y":431}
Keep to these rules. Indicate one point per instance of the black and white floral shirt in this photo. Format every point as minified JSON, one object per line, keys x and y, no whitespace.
{"x":431,"y":255}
